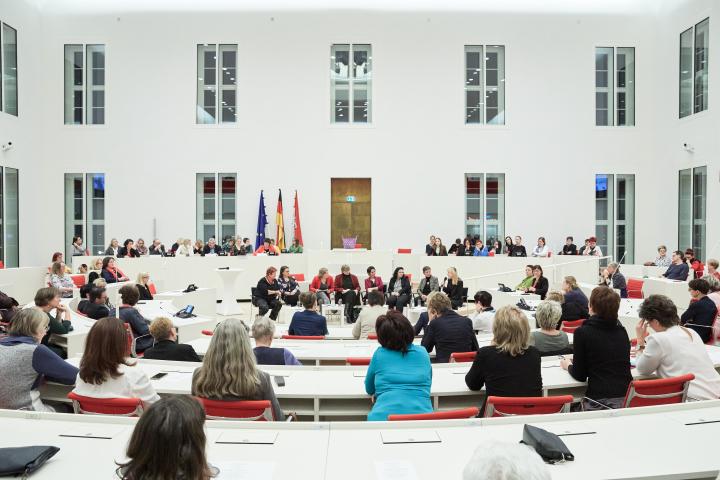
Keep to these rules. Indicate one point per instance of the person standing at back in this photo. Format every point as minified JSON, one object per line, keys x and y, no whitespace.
{"x":447,"y":331}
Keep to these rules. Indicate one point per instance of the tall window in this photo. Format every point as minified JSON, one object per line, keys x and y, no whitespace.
{"x":216,"y":207}
{"x":615,"y":215}
{"x":485,"y":84}
{"x":692,"y":199}
{"x":351,"y":83}
{"x":9,"y":228}
{"x":485,"y":205}
{"x":694,"y":48}
{"x":84,"y":84}
{"x":85,"y":210}
{"x":614,"y":86}
{"x":8,"y":70}
{"x":216,"y":84}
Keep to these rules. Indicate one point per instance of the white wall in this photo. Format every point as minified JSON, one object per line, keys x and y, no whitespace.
{"x":417,"y":150}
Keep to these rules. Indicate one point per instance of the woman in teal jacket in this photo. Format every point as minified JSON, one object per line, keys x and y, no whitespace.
{"x":399,"y":375}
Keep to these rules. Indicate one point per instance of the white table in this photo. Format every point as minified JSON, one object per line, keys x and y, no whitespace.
{"x":332,"y":311}
{"x":204,"y":300}
{"x":228,"y":305}
{"x":675,"y":289}
{"x":502,"y":299}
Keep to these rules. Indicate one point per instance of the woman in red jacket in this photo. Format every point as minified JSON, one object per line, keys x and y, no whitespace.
{"x":373,"y":282}
{"x":322,"y":286}
{"x":347,"y":289}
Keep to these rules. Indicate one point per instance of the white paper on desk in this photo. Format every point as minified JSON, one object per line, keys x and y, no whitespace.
{"x":360,"y":374}
{"x":248,"y":437}
{"x":245,"y":470}
{"x":104,"y":432}
{"x":173,"y":381}
{"x":409,"y":436}
{"x":395,"y":470}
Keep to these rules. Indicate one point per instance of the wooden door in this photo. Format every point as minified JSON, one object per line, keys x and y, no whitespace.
{"x":351,"y":200}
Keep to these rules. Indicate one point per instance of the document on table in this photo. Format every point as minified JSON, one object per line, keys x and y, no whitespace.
{"x":409,"y":436}
{"x":244,"y":470}
{"x":248,"y":437}
{"x":395,"y":470}
{"x":99,"y":431}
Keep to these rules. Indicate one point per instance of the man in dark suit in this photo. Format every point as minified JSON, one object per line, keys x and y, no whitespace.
{"x":97,"y":308}
{"x":166,"y":346}
{"x":447,"y":331}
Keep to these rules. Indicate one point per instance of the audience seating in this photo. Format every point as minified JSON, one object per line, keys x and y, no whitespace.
{"x":462,"y":357}
{"x":248,"y":410}
{"x":127,"y":407}
{"x":634,"y":288}
{"x":661,"y":391}
{"x":357,"y":361}
{"x":507,"y":406}
{"x":299,"y":277}
{"x":78,"y":280}
{"x":569,"y":326}
{"x":303,"y":337}
{"x":470,"y":412}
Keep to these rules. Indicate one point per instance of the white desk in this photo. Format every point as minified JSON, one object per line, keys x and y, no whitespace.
{"x":675,"y":289}
{"x":204,"y":300}
{"x":502,"y":299}
{"x":229,"y":278}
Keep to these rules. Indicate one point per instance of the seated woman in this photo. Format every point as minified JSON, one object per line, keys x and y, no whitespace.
{"x":457,"y":248}
{"x":373,"y":282}
{"x":289,"y":288}
{"x":59,"y":257}
{"x":229,"y":247}
{"x":573,"y":293}
{"x":185,"y":248}
{"x":165,"y":346}
{"x":399,"y":375}
{"x":128,"y":249}
{"x":672,"y":350}
{"x":322,"y":286}
{"x":368,"y":316}
{"x":96,"y":270}
{"x":111,"y":273}
{"x":25,"y":363}
{"x":60,"y":280}
{"x":528,"y":281}
{"x":229,"y":370}
{"x":77,"y":249}
{"x":199,"y":248}
{"x":570,"y":311}
{"x":113,"y":248}
{"x":508,"y":247}
{"x":509,"y":367}
{"x":105,"y":370}
{"x":549,"y":340}
{"x":263,"y":330}
{"x":141,"y":248}
{"x":601,"y":347}
{"x":453,"y":288}
{"x":480,"y":250}
{"x":143,"y":285}
{"x":714,"y":292}
{"x":702,"y":312}
{"x":130,"y":315}
{"x":177,"y":420}
{"x":467,"y":249}
{"x":541,"y":249}
{"x":347,"y":290}
{"x":398,"y":291}
{"x":440,"y":250}
{"x":540,"y":284}
{"x":295,"y":247}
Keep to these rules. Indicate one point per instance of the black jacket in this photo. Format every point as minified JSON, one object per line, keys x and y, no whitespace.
{"x":602,"y":357}
{"x":169,"y":350}
{"x":569,"y":249}
{"x":518,"y":251}
{"x":454,"y":292}
{"x":541,"y":287}
{"x":97,"y":311}
{"x":144,"y":292}
{"x":217,"y":249}
{"x":429,"y":250}
{"x":449,"y":333}
{"x":405,"y":286}
{"x":263,"y":287}
{"x":702,"y":312}
{"x":123,"y":252}
{"x":504,"y":375}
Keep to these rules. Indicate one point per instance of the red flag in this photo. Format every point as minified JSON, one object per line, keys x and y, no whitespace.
{"x":280,"y":240}
{"x":297,"y":231}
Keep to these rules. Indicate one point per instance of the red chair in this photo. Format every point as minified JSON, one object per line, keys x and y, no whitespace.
{"x":248,"y":410}
{"x":209,"y":333}
{"x":303,"y":337}
{"x":152,"y":289}
{"x":404,"y":251}
{"x":569,"y":326}
{"x":357,"y":361}
{"x":462,"y":357}
{"x":299,"y":277}
{"x":662,"y":391}
{"x":508,"y":406}
{"x":131,"y":341}
{"x":78,"y":280}
{"x":2,"y":264}
{"x":634,"y":288}
{"x":126,"y":407}
{"x":470,"y":412}
{"x":372,"y":336}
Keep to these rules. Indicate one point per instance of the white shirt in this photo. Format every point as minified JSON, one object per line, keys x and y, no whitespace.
{"x":133,"y":383}
{"x":679,"y":351}
{"x":483,"y":321}
{"x":539,"y":251}
{"x":365,"y":322}
{"x":183,"y":251}
{"x":597,"y":252}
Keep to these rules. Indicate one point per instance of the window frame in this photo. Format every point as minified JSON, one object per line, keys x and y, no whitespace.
{"x":613,"y":89}
{"x":483,"y":222}
{"x":3,"y":93}
{"x":218,"y":223}
{"x":218,"y":86}
{"x":692,"y":31}
{"x":483,"y":90}
{"x":87,"y":88}
{"x":612,"y":220}
{"x":351,"y":80}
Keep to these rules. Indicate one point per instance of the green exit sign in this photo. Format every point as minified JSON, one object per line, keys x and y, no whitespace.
{"x":350,"y":198}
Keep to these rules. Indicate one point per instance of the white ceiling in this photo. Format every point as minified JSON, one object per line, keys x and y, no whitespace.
{"x":518,"y":6}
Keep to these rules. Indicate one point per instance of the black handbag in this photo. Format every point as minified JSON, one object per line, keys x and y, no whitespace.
{"x":24,"y":460}
{"x":548,"y":445}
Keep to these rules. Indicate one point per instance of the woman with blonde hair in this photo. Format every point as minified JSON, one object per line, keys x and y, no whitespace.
{"x":143,"y":285}
{"x":185,"y":248}
{"x":198,"y":247}
{"x":510,"y":366}
{"x":229,"y":371}
{"x":573,"y":293}
{"x":60,"y":280}
{"x":453,"y":288}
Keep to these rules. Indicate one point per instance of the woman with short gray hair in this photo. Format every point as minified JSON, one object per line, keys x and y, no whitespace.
{"x":549,"y":340}
{"x":262,"y":331}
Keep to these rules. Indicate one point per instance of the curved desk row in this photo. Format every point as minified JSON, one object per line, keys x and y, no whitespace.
{"x":618,"y":444}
